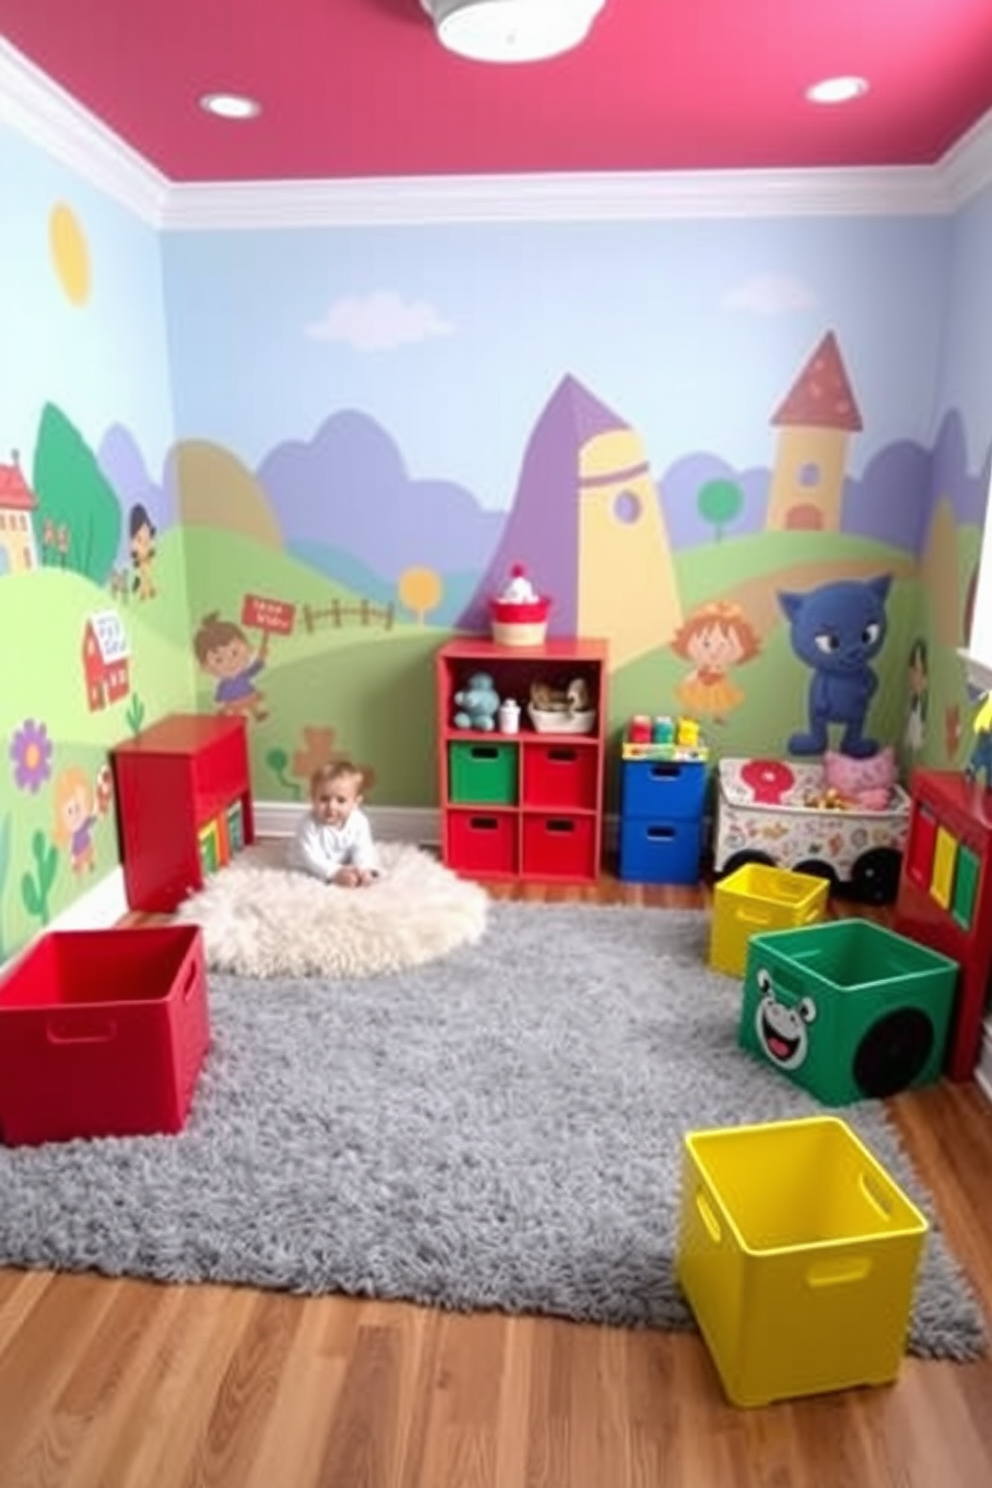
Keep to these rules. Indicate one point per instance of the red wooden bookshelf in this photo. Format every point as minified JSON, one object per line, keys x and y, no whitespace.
{"x":528,"y":805}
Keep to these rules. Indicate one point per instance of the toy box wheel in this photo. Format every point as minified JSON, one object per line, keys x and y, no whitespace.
{"x":817,"y":868}
{"x":875,"y":876}
{"x":742,"y":859}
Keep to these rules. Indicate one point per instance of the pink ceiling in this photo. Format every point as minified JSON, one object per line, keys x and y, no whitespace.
{"x":363,"y":88}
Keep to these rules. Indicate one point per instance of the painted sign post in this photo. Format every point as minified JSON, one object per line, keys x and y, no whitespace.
{"x":273,"y":616}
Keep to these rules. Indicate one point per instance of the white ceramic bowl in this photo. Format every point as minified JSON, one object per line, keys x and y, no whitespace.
{"x":562,"y":723}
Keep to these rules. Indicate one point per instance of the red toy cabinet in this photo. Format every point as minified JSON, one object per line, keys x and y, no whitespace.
{"x":525,"y":805}
{"x":945,"y":896}
{"x":183,"y":804}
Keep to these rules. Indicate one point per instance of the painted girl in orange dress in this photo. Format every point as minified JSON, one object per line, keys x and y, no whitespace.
{"x":716,"y":637}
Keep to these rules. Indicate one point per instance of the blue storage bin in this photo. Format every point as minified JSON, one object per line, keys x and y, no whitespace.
{"x":663,"y":790}
{"x":660,"y":851}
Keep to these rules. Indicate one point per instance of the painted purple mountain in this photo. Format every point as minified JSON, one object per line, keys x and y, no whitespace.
{"x":121,"y":461}
{"x":891,"y":501}
{"x":542,"y":530}
{"x":950,"y":474}
{"x":347,"y":488}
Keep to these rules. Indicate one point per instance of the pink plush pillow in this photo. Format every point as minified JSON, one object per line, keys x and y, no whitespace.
{"x":862,"y":782}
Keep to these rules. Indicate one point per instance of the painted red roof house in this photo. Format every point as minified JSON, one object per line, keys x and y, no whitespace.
{"x":18,"y":549}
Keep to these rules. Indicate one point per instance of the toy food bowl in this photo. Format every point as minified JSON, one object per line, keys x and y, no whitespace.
{"x":557,"y":721}
{"x":519,"y":616}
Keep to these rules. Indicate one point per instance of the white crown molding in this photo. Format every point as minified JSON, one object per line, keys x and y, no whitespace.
{"x":34,"y":105}
{"x":966,"y":168}
{"x":45,"y":113}
{"x":608,"y":197}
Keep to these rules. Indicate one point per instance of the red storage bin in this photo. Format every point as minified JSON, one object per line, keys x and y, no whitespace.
{"x":560,"y":775}
{"x":483,"y":842}
{"x":559,"y":846}
{"x":102,"y":1034}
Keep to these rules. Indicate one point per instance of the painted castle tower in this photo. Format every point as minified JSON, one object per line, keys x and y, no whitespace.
{"x":815,"y":423}
{"x":587,"y":522}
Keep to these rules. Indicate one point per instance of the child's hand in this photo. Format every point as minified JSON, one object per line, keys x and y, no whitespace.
{"x":347,"y":878}
{"x":365,"y":877}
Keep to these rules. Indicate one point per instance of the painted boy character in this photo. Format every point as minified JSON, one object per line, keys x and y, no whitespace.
{"x":224,"y":651}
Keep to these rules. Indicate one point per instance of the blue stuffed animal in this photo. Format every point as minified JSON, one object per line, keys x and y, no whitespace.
{"x":477,"y":704}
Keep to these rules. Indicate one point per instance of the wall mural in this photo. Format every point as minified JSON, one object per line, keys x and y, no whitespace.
{"x":791,"y":609}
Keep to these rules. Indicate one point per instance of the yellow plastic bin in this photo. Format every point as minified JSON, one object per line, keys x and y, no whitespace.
{"x":797,"y":1253}
{"x":757,"y":898}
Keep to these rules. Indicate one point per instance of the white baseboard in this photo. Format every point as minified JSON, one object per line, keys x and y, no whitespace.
{"x":101,"y":906}
{"x":417,"y":824}
{"x":983,"y":1074}
{"x":98,"y":909}
{"x":389,"y":823}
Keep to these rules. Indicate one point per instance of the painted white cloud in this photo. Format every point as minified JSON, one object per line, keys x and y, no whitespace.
{"x":379,"y":321}
{"x":769,"y":294}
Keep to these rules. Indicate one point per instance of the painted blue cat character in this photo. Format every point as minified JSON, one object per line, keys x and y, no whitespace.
{"x":837,"y":630}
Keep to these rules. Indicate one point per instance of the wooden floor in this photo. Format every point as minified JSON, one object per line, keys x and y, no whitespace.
{"x":124,"y":1384}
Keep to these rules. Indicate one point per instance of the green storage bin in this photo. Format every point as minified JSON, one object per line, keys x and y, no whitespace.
{"x":847,"y":1008}
{"x":483,"y":773}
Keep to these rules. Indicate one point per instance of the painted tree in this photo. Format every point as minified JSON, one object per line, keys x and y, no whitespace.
{"x":719,"y":502}
{"x":421,"y":590}
{"x":76,"y":503}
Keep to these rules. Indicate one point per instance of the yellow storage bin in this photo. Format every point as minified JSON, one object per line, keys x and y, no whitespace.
{"x":757,"y":898}
{"x":797,"y":1253}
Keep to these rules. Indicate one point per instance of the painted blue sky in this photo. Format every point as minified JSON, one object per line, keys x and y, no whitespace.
{"x":692,"y":331}
{"x":104,"y":361}
{"x":454,"y":337}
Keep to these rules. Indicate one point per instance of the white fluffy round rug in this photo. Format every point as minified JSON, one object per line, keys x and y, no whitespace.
{"x":261,"y":919}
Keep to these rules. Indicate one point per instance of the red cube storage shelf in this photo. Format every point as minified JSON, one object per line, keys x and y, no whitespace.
{"x":526,"y":805}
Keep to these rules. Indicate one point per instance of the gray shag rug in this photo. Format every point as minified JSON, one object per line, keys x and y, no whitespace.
{"x":500,"y":1129}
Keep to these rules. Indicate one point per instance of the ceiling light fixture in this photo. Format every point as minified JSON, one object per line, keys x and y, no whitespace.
{"x":230,"y":105}
{"x":511,"y":30}
{"x":837,"y":90}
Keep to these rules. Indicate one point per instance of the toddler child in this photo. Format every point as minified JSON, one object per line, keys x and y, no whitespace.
{"x":334,"y":840}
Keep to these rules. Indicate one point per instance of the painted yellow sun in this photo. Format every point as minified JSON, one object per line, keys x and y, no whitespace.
{"x":70,"y":253}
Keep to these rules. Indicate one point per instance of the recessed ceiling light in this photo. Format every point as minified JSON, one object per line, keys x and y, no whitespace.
{"x":837,"y":90}
{"x":230,"y":105}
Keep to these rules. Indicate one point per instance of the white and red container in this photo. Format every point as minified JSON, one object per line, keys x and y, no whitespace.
{"x":519,"y":616}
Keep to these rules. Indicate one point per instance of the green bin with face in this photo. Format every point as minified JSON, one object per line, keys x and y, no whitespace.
{"x":847,"y":1008}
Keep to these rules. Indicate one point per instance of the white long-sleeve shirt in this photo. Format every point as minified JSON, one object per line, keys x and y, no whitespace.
{"x":320,"y":849}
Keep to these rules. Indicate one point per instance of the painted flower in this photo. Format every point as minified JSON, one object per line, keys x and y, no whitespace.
{"x":31,"y":756}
